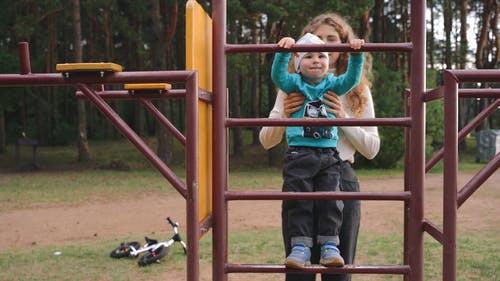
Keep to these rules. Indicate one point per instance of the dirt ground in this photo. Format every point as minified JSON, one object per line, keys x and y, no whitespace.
{"x":65,"y":225}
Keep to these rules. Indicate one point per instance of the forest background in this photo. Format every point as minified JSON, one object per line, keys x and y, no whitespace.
{"x":150,"y":35}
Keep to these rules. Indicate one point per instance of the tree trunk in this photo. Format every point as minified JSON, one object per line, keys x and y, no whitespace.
{"x":463,"y":33}
{"x":378,"y":21}
{"x":236,"y":108}
{"x":448,"y":19}
{"x":405,"y":38}
{"x":430,"y":39}
{"x":483,"y":50}
{"x":254,"y":80}
{"x":365,"y":27}
{"x":160,"y":37}
{"x":82,"y":141}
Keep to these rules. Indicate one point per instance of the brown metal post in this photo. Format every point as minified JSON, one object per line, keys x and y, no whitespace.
{"x":407,"y":161}
{"x":220,"y":165}
{"x":192,"y":178}
{"x":450,"y":161}
{"x":417,"y":140}
{"x":24,"y":58}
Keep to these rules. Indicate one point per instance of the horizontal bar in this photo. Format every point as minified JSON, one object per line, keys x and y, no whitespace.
{"x":57,"y":79}
{"x":126,"y":95}
{"x":271,"y":48}
{"x":433,"y":230}
{"x":360,"y":269}
{"x":438,"y":93}
{"x":476,"y":75}
{"x":258,"y":122}
{"x":479,"y":93}
{"x":278,"y":195}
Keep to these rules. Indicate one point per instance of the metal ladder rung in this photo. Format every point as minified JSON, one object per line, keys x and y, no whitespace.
{"x":360,"y":269}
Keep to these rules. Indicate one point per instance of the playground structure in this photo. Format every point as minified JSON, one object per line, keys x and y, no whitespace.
{"x":206,"y":186}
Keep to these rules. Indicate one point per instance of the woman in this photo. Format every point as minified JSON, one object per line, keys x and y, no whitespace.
{"x":358,"y":103}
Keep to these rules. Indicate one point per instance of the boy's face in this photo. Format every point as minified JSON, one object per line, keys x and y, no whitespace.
{"x":314,"y":64}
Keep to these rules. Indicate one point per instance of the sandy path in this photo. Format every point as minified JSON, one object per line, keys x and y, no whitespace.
{"x":144,"y":215}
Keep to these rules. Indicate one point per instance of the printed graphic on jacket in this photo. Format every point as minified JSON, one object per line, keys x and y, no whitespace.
{"x":316,"y":109}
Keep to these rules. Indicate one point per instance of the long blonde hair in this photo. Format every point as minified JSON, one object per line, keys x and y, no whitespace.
{"x":356,"y":98}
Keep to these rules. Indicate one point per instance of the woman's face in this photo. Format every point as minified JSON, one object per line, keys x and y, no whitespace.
{"x":328,"y":34}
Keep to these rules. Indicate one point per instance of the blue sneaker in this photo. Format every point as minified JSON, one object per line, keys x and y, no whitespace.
{"x":299,"y":257}
{"x":330,"y":255}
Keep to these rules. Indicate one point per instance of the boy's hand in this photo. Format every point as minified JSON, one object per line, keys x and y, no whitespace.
{"x":357,"y":43}
{"x":286,"y":42}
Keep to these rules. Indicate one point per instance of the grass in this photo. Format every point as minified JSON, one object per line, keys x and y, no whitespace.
{"x":478,"y":257}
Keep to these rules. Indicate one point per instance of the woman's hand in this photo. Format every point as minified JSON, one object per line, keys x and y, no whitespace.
{"x":293,"y":102}
{"x":333,"y":101}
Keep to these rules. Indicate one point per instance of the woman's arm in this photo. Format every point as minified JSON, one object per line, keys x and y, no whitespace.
{"x":283,"y":107}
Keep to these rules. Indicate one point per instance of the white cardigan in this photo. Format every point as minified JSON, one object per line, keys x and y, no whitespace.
{"x":351,"y":138}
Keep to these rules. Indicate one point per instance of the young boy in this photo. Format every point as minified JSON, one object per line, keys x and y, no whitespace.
{"x":312,"y":162}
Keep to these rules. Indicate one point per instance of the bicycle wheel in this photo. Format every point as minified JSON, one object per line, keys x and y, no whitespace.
{"x":153,"y":256}
{"x":124,"y":250}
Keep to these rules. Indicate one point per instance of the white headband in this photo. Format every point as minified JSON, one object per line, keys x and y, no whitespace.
{"x":308,"y":38}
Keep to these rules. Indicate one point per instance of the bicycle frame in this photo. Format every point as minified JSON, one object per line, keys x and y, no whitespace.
{"x":154,"y":246}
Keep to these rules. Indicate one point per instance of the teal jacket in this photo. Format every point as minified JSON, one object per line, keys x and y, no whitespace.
{"x":292,"y":83}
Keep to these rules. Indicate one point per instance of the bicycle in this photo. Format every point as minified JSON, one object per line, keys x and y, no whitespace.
{"x":154,"y":250}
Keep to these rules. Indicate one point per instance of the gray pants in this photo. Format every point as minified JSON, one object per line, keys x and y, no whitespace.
{"x":348,"y":231}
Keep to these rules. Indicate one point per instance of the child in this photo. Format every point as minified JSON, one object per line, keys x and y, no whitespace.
{"x":312,"y":162}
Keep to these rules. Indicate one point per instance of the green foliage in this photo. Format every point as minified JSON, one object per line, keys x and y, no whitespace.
{"x":387,"y":93}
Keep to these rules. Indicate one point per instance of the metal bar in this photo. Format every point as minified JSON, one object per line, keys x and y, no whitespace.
{"x":433,"y":94}
{"x":57,"y":79}
{"x":24,"y":58}
{"x":465,"y":131}
{"x":433,"y":230}
{"x":272,"y":48}
{"x":479,"y":93}
{"x":417,"y":140}
{"x":450,"y":177}
{"x":483,"y":75}
{"x":278,"y":195}
{"x":126,"y":95}
{"x":163,"y":120}
{"x":257,"y":122}
{"x":219,"y":142}
{"x":407,"y":179}
{"x":478,"y":179}
{"x":133,"y":138}
{"x":192,"y":179}
{"x":206,"y":224}
{"x":360,"y":269}
{"x":438,"y":93}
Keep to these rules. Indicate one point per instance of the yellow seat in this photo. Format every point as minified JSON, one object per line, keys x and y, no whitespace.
{"x":100,"y":67}
{"x":147,"y":87}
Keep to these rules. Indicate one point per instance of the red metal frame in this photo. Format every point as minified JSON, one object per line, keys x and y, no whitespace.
{"x":415,"y":167}
{"x":413,"y":123}
{"x":188,"y":190}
